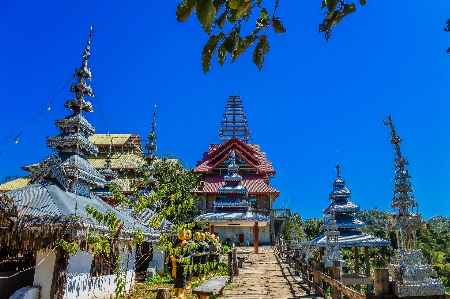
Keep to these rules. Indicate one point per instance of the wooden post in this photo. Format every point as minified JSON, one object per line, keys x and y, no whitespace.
{"x":211,"y":229}
{"x":317,"y":281}
{"x":366,"y":258}
{"x":358,"y":286}
{"x":336,"y":275}
{"x":235,"y":263}
{"x":162,"y":293}
{"x":356,"y":260}
{"x":230,"y":264}
{"x":255,"y":238}
{"x":381,"y":282}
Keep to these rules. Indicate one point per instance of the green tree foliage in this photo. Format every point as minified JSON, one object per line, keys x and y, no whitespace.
{"x":293,"y":227}
{"x":238,"y":24}
{"x":312,"y":228}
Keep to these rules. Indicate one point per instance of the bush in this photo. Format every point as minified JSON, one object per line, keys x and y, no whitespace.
{"x":159,"y":279}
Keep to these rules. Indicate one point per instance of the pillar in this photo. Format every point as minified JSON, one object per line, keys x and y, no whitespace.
{"x":255,"y":238}
{"x":381,"y":282}
{"x":358,"y":286}
{"x":366,"y":258}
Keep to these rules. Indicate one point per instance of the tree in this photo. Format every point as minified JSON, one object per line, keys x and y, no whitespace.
{"x":228,"y":17}
{"x":293,"y":227}
{"x":312,"y":228}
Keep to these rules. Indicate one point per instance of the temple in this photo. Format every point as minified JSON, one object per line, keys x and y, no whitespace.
{"x":411,"y":273}
{"x":343,"y":229}
{"x":54,"y":207}
{"x":255,"y":172}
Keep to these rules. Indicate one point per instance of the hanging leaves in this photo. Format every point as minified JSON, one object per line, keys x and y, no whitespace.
{"x":337,"y":10}
{"x":278,"y":25}
{"x":262,"y":47}
{"x":208,"y":51}
{"x":215,"y":14}
{"x":206,"y":13}
{"x":185,"y":9}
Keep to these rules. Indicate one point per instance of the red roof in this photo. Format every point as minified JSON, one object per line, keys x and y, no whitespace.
{"x":255,"y":185}
{"x":250,"y":153}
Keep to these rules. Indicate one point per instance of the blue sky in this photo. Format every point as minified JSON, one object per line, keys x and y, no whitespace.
{"x":311,"y":99}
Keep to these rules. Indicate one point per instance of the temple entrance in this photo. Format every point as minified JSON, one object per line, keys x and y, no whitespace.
{"x":241,"y":238}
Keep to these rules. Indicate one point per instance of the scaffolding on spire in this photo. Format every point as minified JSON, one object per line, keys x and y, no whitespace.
{"x":410,"y":272}
{"x":234,"y":123}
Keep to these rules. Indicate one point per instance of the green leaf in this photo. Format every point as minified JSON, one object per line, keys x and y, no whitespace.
{"x":243,"y":8}
{"x":206,"y":13}
{"x":208,"y":51}
{"x":278,"y":25}
{"x":234,"y":4}
{"x":363,"y":2}
{"x":348,"y":9}
{"x":184,"y":9}
{"x":263,"y":14}
{"x":231,"y":43}
{"x":244,"y":44}
{"x":221,"y":54}
{"x":262,"y":47}
{"x":220,"y":21}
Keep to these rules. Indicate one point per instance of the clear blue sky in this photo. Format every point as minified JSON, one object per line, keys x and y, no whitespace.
{"x":311,"y":99}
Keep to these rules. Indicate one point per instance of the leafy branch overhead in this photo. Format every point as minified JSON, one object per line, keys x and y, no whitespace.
{"x":227,"y":17}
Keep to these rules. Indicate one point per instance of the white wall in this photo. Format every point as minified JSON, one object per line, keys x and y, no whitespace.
{"x":157,"y":261}
{"x":43,"y":275}
{"x":81,"y":285}
{"x":233,"y":231}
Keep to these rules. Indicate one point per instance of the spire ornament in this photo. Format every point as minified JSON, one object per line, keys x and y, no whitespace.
{"x":68,"y":164}
{"x":410,"y":272}
{"x":151,"y":146}
{"x":332,"y":250}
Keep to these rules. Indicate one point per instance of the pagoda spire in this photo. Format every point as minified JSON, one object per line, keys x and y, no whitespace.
{"x":68,"y":164}
{"x":411,"y":273}
{"x":151,"y":146}
{"x":407,"y":220}
{"x":332,"y":248}
{"x":234,"y":123}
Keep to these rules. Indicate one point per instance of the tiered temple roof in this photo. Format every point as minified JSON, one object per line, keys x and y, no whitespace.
{"x":60,"y":186}
{"x":344,"y":214}
{"x":258,"y":170}
{"x":234,"y":204}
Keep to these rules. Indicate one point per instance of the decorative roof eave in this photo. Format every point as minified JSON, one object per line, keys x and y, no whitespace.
{"x":218,"y":158}
{"x":71,"y":140}
{"x":227,"y":150}
{"x":75,"y":121}
{"x":352,"y":240}
{"x":73,"y":102}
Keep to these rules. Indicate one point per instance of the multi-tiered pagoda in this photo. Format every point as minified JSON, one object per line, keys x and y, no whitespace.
{"x":410,"y":272}
{"x":54,"y":208}
{"x":342,"y":216}
{"x":68,"y":164}
{"x":349,"y":226}
{"x":254,"y":168}
{"x":233,"y":209}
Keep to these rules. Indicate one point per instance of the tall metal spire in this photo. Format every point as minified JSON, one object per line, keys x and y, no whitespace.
{"x":151,"y":146}
{"x":407,"y":220}
{"x":410,"y":272}
{"x":68,"y":164}
{"x":234,"y":123}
